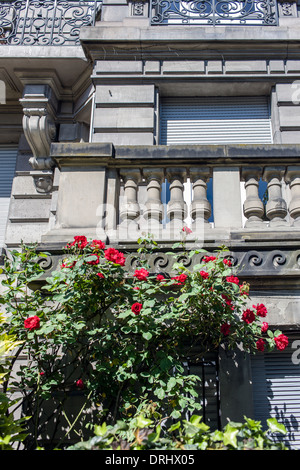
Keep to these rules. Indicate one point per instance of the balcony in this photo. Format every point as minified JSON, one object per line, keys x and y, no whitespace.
{"x":214,"y":12}
{"x":116,"y":194}
{"x":45,"y":23}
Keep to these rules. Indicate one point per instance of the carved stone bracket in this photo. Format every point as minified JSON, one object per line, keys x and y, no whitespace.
{"x":39,"y":106}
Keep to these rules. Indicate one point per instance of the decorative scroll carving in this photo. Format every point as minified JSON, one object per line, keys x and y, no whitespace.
{"x":138,"y":8}
{"x":256,"y":264}
{"x":40,"y":130}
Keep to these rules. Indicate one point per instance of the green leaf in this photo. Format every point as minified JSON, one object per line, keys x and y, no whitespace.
{"x":229,"y":436}
{"x":160,"y":393}
{"x":142,"y":422}
{"x":147,"y":335}
{"x":171,"y":384}
{"x":274,"y":426}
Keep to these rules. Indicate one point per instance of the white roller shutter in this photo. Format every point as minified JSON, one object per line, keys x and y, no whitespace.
{"x":276,"y":389}
{"x":215,"y":120}
{"x":8,"y":158}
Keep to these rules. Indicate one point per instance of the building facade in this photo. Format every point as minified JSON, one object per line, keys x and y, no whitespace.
{"x":124,"y":117}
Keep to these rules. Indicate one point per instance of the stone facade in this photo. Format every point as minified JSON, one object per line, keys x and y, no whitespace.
{"x":85,"y":120}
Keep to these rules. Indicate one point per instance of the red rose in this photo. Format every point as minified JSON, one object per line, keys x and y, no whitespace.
{"x":111,"y":254}
{"x":204,"y":274}
{"x":141,"y":274}
{"x":227,"y":261}
{"x":32,"y":323}
{"x":160,"y":277}
{"x":228,"y":301}
{"x":260,"y":344}
{"x":180,"y":279}
{"x":187,"y":230}
{"x":281,"y":342}
{"x":100,"y":275}
{"x":264,"y":327}
{"x":136,"y":308}
{"x":232,"y":279}
{"x":80,"y":241}
{"x":225,"y":329}
{"x":248,"y":316}
{"x":97,"y":245}
{"x":261,"y":310}
{"x":80,"y":384}
{"x":207,"y":259}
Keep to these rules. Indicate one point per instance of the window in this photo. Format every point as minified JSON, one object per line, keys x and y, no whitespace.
{"x":7,"y":165}
{"x":215,"y":12}
{"x":214,"y":120}
{"x":276,"y":389}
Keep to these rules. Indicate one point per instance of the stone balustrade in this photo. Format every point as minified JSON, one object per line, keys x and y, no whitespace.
{"x":120,"y":191}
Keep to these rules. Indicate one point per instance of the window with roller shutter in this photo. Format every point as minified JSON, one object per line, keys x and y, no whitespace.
{"x":8,"y":156}
{"x":276,"y":388}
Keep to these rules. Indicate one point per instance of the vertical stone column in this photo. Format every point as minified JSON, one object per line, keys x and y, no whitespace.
{"x":176,"y":209}
{"x":293,"y":178}
{"x":153,"y":212}
{"x":129,"y":207}
{"x":227,"y":198}
{"x":253,"y":207}
{"x":276,"y":208}
{"x":200,"y":208}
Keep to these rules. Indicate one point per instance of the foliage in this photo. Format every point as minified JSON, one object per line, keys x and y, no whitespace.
{"x":11,"y":429}
{"x":116,"y":340}
{"x":190,"y":434}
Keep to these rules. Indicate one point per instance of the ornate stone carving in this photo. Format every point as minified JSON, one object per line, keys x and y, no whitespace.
{"x":43,"y":181}
{"x":39,"y":124}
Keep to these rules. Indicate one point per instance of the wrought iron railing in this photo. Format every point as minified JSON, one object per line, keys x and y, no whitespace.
{"x":48,"y":22}
{"x":214,"y":12}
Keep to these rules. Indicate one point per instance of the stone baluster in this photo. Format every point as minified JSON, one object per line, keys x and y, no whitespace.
{"x":153,"y":212}
{"x":276,"y":208}
{"x":129,"y":206}
{"x":200,"y":208}
{"x":253,"y":207}
{"x":293,"y":178}
{"x":176,"y":209}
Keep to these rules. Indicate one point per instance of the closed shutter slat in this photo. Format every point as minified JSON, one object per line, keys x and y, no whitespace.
{"x":8,"y":158}
{"x":215,"y":120}
{"x":276,"y":390}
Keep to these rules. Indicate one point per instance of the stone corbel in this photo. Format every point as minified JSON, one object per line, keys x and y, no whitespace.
{"x":39,"y":105}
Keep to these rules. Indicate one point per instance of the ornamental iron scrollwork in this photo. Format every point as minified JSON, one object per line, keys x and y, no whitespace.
{"x":45,"y":23}
{"x":214,"y":12}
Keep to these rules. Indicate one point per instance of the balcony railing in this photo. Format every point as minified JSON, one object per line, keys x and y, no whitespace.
{"x":211,"y":189}
{"x":45,"y":23}
{"x":214,"y":12}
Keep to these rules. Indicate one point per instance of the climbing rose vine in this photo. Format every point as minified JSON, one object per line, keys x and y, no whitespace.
{"x":120,"y":338}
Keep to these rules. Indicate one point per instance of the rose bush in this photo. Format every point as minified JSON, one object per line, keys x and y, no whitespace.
{"x":120,"y":340}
